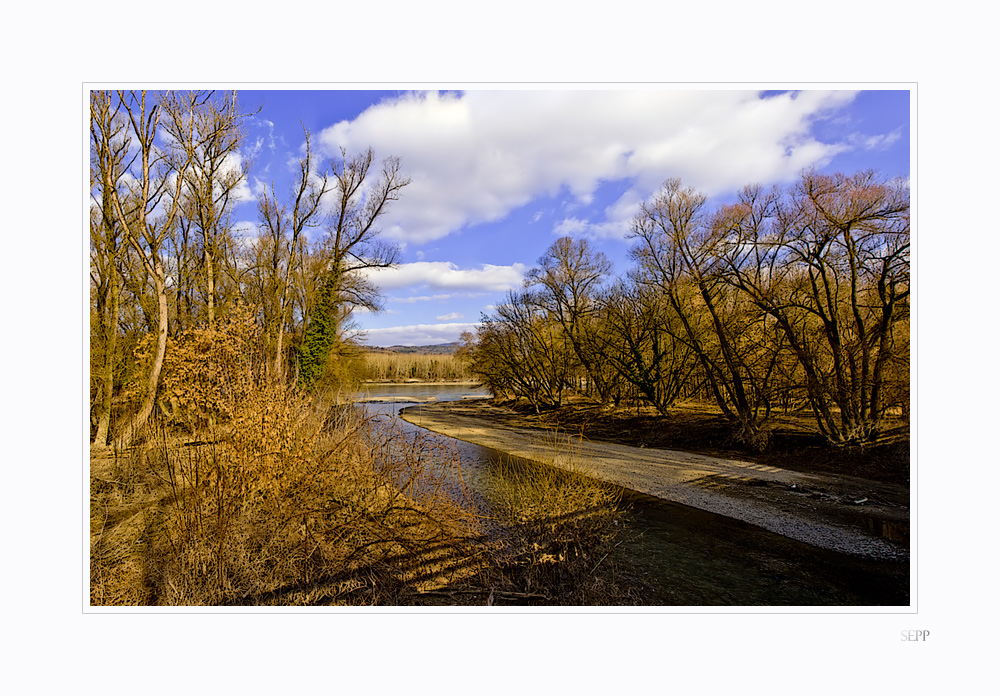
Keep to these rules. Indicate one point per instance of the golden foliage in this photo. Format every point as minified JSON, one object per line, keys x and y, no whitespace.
{"x":276,"y":502}
{"x":208,"y":371}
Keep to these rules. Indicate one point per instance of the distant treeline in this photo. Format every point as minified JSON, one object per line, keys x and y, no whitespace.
{"x":793,"y":298}
{"x":397,"y":367}
{"x":439,"y":349}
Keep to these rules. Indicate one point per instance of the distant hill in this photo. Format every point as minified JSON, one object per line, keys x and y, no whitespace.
{"x":439,"y":349}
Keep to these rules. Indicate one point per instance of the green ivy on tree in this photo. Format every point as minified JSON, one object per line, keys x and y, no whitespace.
{"x":320,"y":337}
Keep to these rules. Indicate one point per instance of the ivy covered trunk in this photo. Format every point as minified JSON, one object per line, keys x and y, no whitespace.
{"x":320,"y":336}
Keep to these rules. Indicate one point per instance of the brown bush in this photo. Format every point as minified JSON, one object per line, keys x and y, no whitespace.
{"x":276,"y":501}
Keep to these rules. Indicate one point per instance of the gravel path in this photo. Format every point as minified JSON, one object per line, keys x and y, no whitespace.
{"x":853,"y":516}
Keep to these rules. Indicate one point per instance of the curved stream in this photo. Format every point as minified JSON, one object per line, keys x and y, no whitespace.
{"x":690,"y":557}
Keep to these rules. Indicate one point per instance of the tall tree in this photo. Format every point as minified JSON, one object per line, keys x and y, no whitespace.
{"x":637,"y":339}
{"x":679,"y":251}
{"x":830,"y":264}
{"x":146,"y":202}
{"x":351,"y":245}
{"x":282,"y":248}
{"x":210,"y":136}
{"x":568,"y":275}
{"x":109,"y":146}
{"x":521,"y":351}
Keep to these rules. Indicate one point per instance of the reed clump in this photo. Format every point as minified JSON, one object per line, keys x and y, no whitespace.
{"x":563,"y":528}
{"x":399,"y":367}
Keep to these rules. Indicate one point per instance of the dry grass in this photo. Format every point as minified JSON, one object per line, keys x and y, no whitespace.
{"x":272,"y":499}
{"x":334,"y":513}
{"x":397,"y":367}
{"x":338,"y":510}
{"x":564,"y":528}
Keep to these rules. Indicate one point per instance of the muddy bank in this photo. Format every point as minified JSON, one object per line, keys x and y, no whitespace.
{"x":860,"y":517}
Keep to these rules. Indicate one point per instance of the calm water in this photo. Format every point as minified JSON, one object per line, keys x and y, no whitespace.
{"x":689,"y":557}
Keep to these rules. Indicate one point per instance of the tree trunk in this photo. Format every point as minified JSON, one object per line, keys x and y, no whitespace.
{"x":279,"y":371}
{"x":210,"y":272}
{"x":131,"y":429}
{"x":109,"y":320}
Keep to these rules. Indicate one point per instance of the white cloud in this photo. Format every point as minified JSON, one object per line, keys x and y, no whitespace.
{"x":875,"y":142}
{"x":359,"y":309}
{"x":569,"y":226}
{"x":444,"y":275}
{"x":259,"y":187}
{"x":422,"y":298}
{"x":451,"y":316}
{"x":416,"y":335}
{"x":616,"y":223}
{"x":476,"y":157}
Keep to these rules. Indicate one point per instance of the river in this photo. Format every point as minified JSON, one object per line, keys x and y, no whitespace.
{"x":689,"y":557}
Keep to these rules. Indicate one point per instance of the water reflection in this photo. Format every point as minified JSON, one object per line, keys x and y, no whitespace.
{"x":687,"y":557}
{"x":418,"y":393}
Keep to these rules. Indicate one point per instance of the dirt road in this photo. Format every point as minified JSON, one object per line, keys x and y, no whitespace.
{"x":839,"y":513}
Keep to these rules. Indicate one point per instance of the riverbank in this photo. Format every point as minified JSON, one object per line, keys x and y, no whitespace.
{"x":858,"y":516}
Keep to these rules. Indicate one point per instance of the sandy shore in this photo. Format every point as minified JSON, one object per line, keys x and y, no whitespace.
{"x":855,"y":516}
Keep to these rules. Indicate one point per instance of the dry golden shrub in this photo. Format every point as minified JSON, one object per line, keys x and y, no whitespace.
{"x":277,"y":501}
{"x":310,"y":514}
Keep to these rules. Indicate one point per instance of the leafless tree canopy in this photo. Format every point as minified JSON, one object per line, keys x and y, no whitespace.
{"x":790,"y":298}
{"x":167,"y":169}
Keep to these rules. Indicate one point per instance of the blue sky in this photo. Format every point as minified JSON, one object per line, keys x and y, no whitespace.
{"x":498,"y":175}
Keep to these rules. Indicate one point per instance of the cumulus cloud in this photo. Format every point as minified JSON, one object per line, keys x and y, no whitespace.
{"x":570,"y":226}
{"x":451,"y":316}
{"x":615,"y":224}
{"x":475,"y":157}
{"x":415,"y":335}
{"x":444,"y":275}
{"x":423,"y":298}
{"x":875,"y":142}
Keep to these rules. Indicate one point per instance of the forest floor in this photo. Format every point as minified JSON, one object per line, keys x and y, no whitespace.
{"x":850,"y":500}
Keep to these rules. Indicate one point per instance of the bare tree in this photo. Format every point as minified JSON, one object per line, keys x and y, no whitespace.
{"x":830,"y":264}
{"x":351,"y":245}
{"x":146,"y":202}
{"x":520,"y":351}
{"x":210,"y":135}
{"x":109,"y":145}
{"x":282,"y":248}
{"x":637,"y":338}
{"x":679,"y":251}
{"x":569,"y":274}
